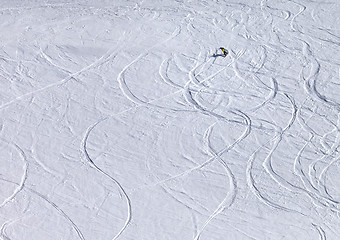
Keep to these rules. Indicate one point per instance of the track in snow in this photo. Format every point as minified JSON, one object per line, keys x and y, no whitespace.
{"x":121,"y":121}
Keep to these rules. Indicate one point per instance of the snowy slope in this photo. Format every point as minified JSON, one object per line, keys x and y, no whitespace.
{"x":118,"y":123}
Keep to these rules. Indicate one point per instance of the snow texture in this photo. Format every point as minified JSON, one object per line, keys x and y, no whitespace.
{"x":121,"y":120}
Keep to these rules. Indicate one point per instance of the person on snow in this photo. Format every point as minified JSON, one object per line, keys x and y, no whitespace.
{"x":225,"y":51}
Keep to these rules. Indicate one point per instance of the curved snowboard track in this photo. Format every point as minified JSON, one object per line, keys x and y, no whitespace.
{"x":92,"y":164}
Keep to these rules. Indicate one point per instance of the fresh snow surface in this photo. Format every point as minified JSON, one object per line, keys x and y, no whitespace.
{"x":120,"y":120}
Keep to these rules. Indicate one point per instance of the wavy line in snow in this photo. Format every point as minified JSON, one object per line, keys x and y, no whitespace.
{"x":319,"y":199}
{"x":55,"y":206}
{"x":267,"y":164}
{"x":321,"y":232}
{"x":226,"y":149}
{"x":121,"y":79}
{"x":302,"y":8}
{"x":251,"y":182}
{"x":231,"y":195}
{"x":163,"y":72}
{"x":23,"y":178}
{"x":310,"y":81}
{"x":270,"y":97}
{"x":92,"y":164}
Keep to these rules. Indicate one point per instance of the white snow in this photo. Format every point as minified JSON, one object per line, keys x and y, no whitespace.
{"x":118,"y":123}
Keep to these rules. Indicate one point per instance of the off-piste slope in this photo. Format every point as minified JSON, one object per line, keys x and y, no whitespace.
{"x":122,"y":120}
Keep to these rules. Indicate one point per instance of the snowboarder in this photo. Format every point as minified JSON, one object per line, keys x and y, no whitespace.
{"x":225,"y":51}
